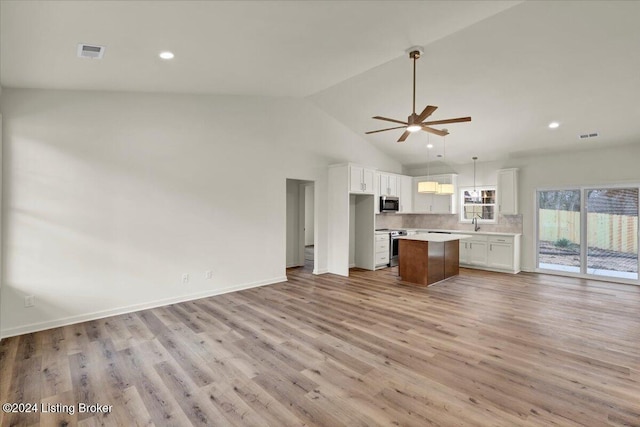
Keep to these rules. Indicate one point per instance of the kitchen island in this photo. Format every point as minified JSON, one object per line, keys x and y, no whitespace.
{"x":425,"y":259}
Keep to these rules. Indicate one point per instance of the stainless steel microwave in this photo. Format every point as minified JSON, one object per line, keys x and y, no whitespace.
{"x":389,"y":204}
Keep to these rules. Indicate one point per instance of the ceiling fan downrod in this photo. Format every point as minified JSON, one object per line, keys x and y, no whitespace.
{"x":414,"y":54}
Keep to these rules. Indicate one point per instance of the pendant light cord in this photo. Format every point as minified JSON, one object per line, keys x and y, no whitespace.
{"x":474,"y":174}
{"x":428,"y":157}
{"x":444,"y":149}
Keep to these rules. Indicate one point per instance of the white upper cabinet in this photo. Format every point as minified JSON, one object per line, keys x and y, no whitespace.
{"x":435,"y":203}
{"x":405,"y":193}
{"x":361,"y":180}
{"x":508,"y":191}
{"x":389,"y":185}
{"x":400,"y":186}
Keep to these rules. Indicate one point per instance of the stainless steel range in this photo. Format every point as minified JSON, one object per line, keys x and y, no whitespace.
{"x":393,"y":245}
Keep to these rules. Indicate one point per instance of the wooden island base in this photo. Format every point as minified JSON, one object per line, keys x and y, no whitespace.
{"x":424,"y":263}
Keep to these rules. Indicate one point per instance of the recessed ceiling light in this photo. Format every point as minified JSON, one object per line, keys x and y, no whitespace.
{"x":429,"y":145}
{"x":553,"y":125}
{"x":166,"y":55}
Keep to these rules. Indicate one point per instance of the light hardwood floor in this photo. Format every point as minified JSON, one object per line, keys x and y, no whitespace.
{"x":481,"y":349}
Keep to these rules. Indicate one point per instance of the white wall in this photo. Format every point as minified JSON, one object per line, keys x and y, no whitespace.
{"x":1,"y":220}
{"x":111,"y":197}
{"x":1,"y":216}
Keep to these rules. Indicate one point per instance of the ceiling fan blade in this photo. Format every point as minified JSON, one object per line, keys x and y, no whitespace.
{"x":382,"y":130}
{"x":428,"y":110}
{"x":442,"y":122}
{"x":389,"y":120}
{"x":434,"y":131}
{"x":404,"y":136}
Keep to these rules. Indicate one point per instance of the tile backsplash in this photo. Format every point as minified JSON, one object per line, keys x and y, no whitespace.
{"x":505,"y":223}
{"x":389,"y":220}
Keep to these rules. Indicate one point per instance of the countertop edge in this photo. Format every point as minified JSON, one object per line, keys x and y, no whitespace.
{"x":468,"y":232}
{"x":435,"y":237}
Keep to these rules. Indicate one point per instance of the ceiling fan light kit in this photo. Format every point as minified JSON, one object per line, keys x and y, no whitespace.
{"x":416,"y":122}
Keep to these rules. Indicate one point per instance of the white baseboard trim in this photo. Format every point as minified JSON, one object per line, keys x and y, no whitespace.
{"x":41,"y":326}
{"x":321,"y":271}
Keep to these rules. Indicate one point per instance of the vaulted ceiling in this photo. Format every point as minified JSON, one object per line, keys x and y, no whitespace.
{"x":513,"y":66}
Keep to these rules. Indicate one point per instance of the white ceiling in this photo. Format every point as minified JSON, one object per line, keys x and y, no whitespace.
{"x":512,"y":66}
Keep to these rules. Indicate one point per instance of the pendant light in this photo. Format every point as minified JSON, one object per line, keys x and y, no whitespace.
{"x":475,"y":196}
{"x":445,"y":189}
{"x":428,"y":186}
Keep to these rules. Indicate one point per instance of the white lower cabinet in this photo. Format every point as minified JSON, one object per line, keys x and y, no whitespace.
{"x":478,"y":253}
{"x":382,"y":250}
{"x":491,"y":252}
{"x":473,"y":252}
{"x":500,"y":254}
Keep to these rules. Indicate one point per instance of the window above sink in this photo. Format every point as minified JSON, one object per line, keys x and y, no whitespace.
{"x":482,"y":207}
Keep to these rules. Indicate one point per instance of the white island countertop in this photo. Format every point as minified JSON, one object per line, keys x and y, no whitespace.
{"x":470,"y":232}
{"x":435,"y":237}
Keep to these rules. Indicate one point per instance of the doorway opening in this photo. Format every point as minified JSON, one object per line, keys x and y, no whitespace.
{"x":301,"y":245}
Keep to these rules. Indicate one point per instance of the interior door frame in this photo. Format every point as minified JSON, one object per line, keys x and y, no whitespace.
{"x":300,"y":209}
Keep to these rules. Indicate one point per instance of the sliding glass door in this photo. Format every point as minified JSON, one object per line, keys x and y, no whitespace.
{"x":591,"y":231}
{"x":559,"y":230}
{"x":612,"y":232}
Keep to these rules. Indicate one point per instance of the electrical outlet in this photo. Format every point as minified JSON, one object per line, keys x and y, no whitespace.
{"x":29,"y":301}
{"x":208,"y":274}
{"x":185,"y":278}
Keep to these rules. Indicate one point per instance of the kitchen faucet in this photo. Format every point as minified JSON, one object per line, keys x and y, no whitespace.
{"x":474,"y":221}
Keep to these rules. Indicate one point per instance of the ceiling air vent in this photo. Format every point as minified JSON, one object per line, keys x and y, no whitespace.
{"x":588,"y":135}
{"x":90,"y":51}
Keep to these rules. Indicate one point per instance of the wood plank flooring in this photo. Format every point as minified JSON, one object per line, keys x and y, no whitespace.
{"x":481,"y":349}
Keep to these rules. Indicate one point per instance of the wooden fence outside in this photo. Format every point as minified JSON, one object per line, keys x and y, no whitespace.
{"x":605,"y":231}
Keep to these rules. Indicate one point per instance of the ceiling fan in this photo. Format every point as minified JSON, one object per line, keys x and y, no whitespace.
{"x":415,"y":122}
